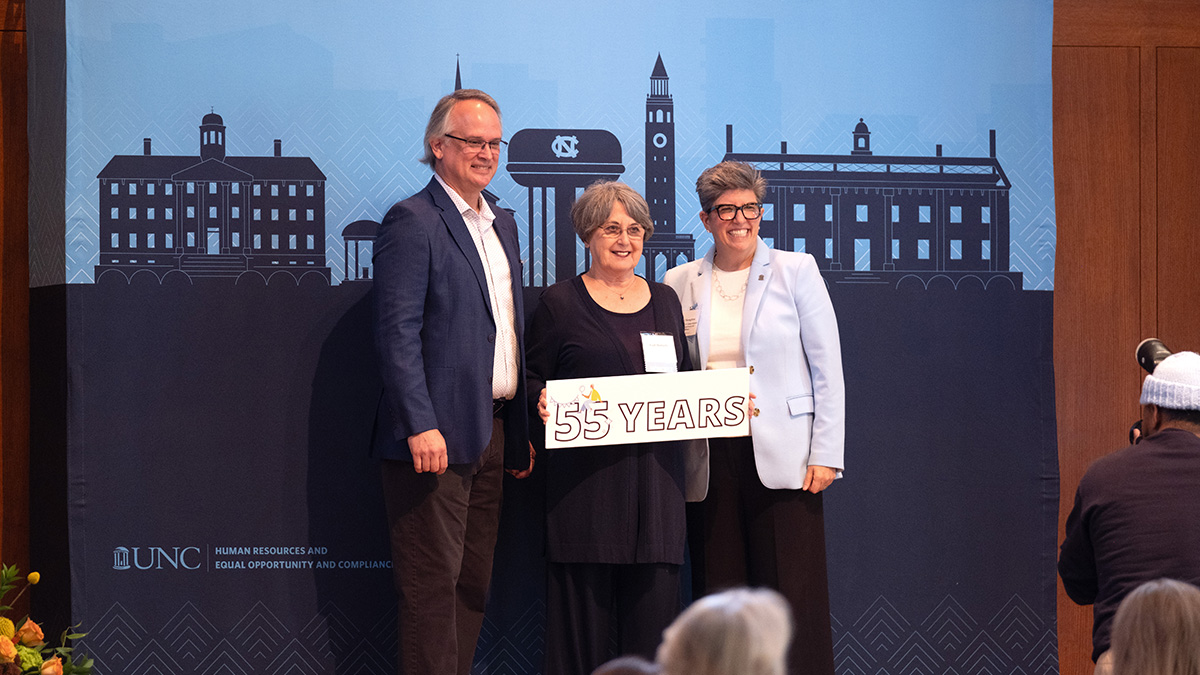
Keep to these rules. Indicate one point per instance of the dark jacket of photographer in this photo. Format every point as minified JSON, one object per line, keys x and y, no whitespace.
{"x":1136,"y":518}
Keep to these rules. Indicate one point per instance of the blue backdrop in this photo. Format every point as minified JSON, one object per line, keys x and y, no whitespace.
{"x":205,"y":203}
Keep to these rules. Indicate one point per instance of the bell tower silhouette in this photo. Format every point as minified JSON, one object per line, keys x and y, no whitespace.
{"x":660,"y":177}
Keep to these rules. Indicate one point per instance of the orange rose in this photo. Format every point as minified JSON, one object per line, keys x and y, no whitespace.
{"x":52,"y":666}
{"x":29,"y":634}
{"x":8,"y":651}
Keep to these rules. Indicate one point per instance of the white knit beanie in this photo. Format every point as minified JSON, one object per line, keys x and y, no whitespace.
{"x":1175,"y":383}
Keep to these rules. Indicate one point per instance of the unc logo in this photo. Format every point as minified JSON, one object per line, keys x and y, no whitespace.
{"x":564,"y":146}
{"x":157,"y":558}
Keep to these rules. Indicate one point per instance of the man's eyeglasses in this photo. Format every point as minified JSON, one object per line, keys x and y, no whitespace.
{"x":729,"y":211}
{"x":476,"y":144}
{"x":614,"y":231}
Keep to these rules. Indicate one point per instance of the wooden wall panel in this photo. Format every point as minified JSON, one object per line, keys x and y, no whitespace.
{"x":12,"y":15}
{"x":14,"y":290}
{"x":1096,"y":290}
{"x":1178,"y":231}
{"x":1126,"y":22}
{"x":1094,"y":43}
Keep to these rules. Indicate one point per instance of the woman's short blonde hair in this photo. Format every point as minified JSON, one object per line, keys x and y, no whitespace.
{"x":1157,"y":630}
{"x":594,"y":206}
{"x":737,"y":632}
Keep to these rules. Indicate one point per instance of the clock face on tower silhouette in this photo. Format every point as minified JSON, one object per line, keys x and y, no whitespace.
{"x":660,"y":140}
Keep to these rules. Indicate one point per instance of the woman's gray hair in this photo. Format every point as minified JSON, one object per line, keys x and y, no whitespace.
{"x":627,"y":665}
{"x":717,"y":180}
{"x":594,"y":206}
{"x":439,"y":120}
{"x":1157,"y":630}
{"x":738,"y":632}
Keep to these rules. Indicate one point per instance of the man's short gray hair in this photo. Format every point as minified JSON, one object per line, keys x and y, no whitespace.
{"x":439,"y":120}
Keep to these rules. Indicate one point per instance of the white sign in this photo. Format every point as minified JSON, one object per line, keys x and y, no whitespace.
{"x":644,"y":408}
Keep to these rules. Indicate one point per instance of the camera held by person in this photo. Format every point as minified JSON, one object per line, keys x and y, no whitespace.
{"x":1149,"y":353}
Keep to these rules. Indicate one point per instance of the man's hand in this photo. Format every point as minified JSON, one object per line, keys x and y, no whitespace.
{"x":524,"y":473}
{"x":428,"y":450}
{"x":543,"y":409}
{"x":818,"y":478}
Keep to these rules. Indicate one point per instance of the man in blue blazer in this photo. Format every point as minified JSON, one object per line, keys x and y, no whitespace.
{"x":448,"y":335}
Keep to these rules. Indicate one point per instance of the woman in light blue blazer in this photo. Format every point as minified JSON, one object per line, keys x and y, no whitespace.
{"x":747,"y":305}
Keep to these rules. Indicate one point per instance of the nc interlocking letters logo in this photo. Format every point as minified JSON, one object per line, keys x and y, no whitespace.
{"x":565,"y":146}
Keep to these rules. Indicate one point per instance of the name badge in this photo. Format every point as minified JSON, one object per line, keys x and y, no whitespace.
{"x":691,"y":318}
{"x":659,"y":351}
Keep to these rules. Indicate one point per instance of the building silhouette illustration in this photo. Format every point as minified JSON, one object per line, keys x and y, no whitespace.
{"x":555,"y":164}
{"x":360,"y":233}
{"x":212,"y":216}
{"x":660,"y":179}
{"x":887,"y":219}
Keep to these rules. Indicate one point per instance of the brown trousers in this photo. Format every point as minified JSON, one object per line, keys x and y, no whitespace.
{"x":443,"y":532}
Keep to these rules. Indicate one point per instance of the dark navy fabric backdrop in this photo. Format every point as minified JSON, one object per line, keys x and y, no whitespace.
{"x":941,"y":535}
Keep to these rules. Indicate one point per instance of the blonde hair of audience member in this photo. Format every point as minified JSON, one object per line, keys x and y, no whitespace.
{"x":1156,"y":630}
{"x":627,"y":665}
{"x":737,"y":632}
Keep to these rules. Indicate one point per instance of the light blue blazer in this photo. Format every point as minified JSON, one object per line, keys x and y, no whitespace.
{"x":790,"y":339}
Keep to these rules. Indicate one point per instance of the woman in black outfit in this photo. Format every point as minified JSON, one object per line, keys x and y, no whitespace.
{"x":615,"y":526}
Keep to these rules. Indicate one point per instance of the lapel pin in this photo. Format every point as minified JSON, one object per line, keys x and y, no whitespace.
{"x":760,"y":277}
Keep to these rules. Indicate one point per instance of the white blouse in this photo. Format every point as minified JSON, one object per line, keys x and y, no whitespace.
{"x":725,"y":338}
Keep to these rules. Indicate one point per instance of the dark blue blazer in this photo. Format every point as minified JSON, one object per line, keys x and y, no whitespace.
{"x":435,"y":334}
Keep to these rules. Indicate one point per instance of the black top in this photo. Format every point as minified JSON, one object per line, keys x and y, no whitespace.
{"x":615,"y":504}
{"x":629,"y":328}
{"x":1136,"y":519}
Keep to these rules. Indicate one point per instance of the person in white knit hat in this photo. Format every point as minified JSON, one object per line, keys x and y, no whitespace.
{"x":1136,"y":516}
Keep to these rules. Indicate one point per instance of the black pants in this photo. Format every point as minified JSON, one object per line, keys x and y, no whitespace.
{"x":443,"y":532}
{"x":584,"y":600}
{"x":751,"y":535}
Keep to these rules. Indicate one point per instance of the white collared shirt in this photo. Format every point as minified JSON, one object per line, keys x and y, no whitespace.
{"x":505,"y":364}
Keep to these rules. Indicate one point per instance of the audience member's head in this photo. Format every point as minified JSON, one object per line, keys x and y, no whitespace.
{"x":628,"y":665}
{"x":738,"y":632}
{"x":1171,"y":394}
{"x":1157,"y":630}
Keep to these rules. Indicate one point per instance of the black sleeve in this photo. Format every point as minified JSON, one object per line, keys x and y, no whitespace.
{"x":1076,"y":559}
